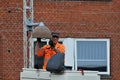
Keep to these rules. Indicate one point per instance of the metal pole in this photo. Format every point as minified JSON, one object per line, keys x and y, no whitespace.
{"x":24,"y":34}
{"x":30,"y":39}
{"x":27,"y":18}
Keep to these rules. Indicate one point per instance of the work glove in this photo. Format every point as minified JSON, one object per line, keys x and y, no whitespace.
{"x":39,"y":40}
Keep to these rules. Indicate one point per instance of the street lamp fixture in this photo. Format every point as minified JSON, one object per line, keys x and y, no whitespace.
{"x":41,"y":31}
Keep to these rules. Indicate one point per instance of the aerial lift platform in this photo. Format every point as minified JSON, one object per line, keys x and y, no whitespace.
{"x":39,"y":74}
{"x":29,"y":72}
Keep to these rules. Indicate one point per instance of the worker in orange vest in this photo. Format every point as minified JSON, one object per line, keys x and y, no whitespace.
{"x":49,"y":50}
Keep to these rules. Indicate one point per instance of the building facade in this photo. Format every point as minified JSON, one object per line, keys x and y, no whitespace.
{"x":81,"y":19}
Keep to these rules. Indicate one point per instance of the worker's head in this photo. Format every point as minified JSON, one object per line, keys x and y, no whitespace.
{"x":55,"y":37}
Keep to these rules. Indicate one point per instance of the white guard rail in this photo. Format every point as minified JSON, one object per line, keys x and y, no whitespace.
{"x":34,"y":74}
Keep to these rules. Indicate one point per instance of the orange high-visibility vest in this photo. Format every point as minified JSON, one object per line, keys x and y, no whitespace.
{"x":48,"y":52}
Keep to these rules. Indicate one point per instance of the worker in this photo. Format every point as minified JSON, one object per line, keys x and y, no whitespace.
{"x":49,"y":50}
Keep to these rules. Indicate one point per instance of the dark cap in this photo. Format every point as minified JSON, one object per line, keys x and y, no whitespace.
{"x":55,"y":34}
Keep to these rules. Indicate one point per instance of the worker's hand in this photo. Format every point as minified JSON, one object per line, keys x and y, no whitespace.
{"x":56,"y":50}
{"x":39,"y":40}
{"x":51,"y":44}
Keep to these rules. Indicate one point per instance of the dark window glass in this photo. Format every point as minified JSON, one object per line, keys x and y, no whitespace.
{"x":38,"y":61}
{"x":92,"y":55}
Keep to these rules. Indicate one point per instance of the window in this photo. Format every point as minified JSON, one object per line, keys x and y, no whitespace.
{"x":87,"y":54}
{"x":93,"y":54}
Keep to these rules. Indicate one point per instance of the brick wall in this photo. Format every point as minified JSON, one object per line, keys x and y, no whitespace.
{"x":1,"y":60}
{"x":11,"y":33}
{"x":73,"y":19}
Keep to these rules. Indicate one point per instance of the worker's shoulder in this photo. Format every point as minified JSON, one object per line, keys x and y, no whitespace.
{"x":60,"y":45}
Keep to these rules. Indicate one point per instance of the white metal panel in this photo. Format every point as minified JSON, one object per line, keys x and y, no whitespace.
{"x":69,"y":52}
{"x":76,"y":75}
{"x":34,"y":74}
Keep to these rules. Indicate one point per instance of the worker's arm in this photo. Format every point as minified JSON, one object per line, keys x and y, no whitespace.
{"x":36,"y":48}
{"x":38,"y":51}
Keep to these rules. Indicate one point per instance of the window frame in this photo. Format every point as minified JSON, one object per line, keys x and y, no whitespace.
{"x":75,"y":50}
{"x":108,"y":53}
